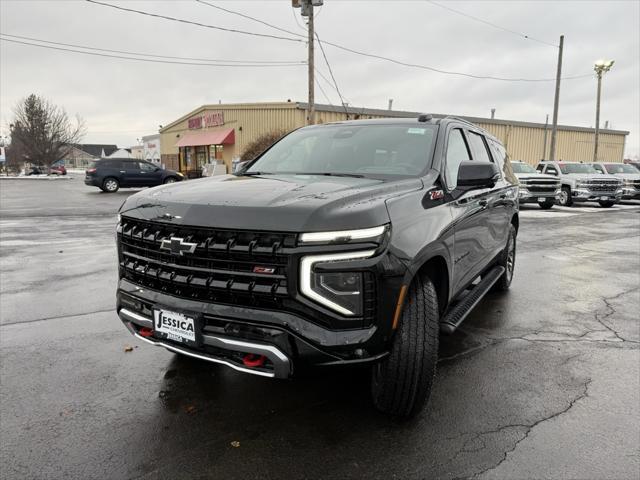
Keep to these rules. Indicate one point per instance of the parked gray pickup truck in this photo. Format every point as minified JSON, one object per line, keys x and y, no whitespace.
{"x":582,"y":183}
{"x":629,"y":175}
{"x":536,"y":187}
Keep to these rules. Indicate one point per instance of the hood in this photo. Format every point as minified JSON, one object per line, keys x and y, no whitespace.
{"x":538,"y":176}
{"x":627,"y":176}
{"x":294,"y":203}
{"x":590,"y":176}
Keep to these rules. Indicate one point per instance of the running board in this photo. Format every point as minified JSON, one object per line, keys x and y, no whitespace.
{"x":459,"y":312}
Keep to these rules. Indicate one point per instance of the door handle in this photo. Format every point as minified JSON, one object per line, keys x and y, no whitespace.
{"x":123,"y":171}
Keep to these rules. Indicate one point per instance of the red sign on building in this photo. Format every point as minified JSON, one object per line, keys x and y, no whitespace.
{"x":213,"y":119}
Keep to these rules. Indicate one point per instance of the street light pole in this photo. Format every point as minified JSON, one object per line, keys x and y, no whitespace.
{"x":600,"y":67}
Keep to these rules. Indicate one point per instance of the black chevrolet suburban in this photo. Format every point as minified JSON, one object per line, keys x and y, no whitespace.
{"x":351,"y":243}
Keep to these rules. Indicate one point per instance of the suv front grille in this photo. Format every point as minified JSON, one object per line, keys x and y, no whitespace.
{"x":221,"y":269}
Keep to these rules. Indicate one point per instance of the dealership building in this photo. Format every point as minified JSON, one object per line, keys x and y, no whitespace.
{"x":218,"y":134}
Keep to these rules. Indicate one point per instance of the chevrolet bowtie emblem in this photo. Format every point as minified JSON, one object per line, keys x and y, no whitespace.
{"x":178,"y":246}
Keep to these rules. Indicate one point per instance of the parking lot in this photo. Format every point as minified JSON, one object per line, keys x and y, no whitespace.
{"x":542,"y":382}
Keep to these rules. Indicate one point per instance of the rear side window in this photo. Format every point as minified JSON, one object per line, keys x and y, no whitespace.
{"x":479,"y":148}
{"x":457,"y":152}
{"x":130,"y":165}
{"x":116,"y":164}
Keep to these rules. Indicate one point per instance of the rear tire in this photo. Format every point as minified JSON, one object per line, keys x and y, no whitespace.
{"x":565,"y":197}
{"x":606,"y":203}
{"x":401,"y":383}
{"x":110,"y":185}
{"x":508,"y":261}
{"x":547,"y":204}
{"x":169,"y":180}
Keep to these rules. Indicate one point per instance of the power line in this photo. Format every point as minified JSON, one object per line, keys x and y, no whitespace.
{"x":415,"y":65}
{"x":148,"y":60}
{"x":244,"y":15}
{"x":326,"y":60}
{"x":190,"y":22}
{"x":458,"y":12}
{"x":287,"y":62}
{"x":326,"y":97}
{"x":328,"y":82}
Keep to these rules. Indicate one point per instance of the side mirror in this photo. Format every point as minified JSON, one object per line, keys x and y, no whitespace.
{"x":478,"y":175}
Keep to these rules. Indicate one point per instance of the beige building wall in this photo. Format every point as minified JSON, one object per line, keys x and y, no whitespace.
{"x":523,"y":141}
{"x":527,"y":143}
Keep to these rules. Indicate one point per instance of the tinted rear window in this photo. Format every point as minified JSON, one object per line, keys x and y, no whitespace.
{"x":109,"y":164}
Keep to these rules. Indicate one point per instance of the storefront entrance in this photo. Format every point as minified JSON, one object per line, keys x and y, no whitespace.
{"x":198,"y":151}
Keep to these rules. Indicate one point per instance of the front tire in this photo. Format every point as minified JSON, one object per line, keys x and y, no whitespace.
{"x":565,"y":197}
{"x":169,"y":180}
{"x":401,"y":383}
{"x":546,"y":205}
{"x":606,"y":203}
{"x":508,"y":261}
{"x":110,"y":185}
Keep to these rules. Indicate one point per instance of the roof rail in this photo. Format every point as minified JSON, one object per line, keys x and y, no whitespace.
{"x":458,"y":119}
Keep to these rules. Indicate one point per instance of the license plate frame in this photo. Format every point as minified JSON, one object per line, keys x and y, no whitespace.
{"x":180,"y":327}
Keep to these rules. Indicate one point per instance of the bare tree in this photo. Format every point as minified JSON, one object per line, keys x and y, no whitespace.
{"x":260,"y":144}
{"x":42,"y":132}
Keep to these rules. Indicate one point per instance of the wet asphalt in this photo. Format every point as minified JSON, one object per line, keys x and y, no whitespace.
{"x":541,"y":382}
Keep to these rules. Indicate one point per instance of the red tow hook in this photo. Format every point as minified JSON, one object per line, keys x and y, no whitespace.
{"x":145,"y":332}
{"x":251,"y":360}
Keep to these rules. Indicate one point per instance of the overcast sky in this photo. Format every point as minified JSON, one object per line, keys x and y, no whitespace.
{"x":121,"y":100}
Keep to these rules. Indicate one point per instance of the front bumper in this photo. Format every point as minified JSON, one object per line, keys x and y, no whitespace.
{"x":528,"y":196}
{"x":227,"y":333}
{"x":630,"y":193}
{"x":585,"y":195}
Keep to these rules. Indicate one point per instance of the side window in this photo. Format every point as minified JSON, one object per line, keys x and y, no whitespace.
{"x":478,"y":147}
{"x":130,"y":165}
{"x":551,"y":170}
{"x":145,"y":167}
{"x":457,"y":152}
{"x":113,"y":164}
{"x":540,"y":167}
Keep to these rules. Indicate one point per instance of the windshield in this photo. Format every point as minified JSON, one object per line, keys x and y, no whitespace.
{"x":620,"y":168}
{"x":522,"y":168}
{"x":363,"y":150}
{"x":577,"y":168}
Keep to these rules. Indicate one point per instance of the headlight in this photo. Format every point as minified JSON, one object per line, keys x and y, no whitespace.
{"x":582,"y":184}
{"x":344,"y":236}
{"x":339,"y":291}
{"x":179,"y":174}
{"x":628,"y":183}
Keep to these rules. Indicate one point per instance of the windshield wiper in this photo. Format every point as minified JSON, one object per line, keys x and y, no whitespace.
{"x":252,"y":174}
{"x":329,"y":174}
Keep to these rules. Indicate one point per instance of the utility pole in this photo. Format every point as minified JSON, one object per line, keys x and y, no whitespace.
{"x":601,"y":67}
{"x":556,"y":101}
{"x":310,"y":61}
{"x":546,"y":128}
{"x":306,"y":10}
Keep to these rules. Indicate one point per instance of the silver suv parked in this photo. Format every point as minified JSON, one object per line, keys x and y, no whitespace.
{"x":629,"y":175}
{"x":582,"y":183}
{"x":536,"y":187}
